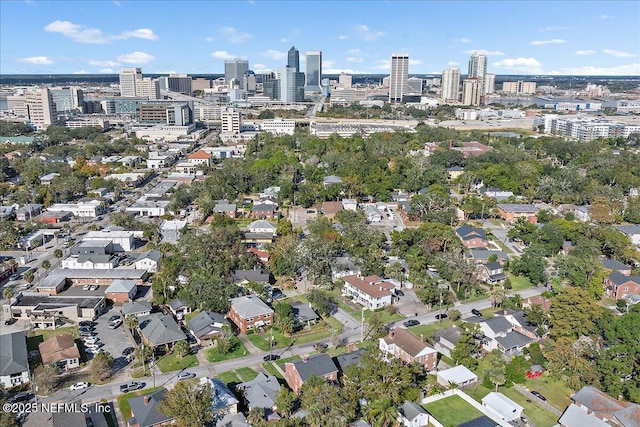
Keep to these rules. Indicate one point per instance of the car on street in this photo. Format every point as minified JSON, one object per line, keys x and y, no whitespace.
{"x":476,"y":312}
{"x":79,"y":386}
{"x":538,"y":395}
{"x":127,"y":351}
{"x":23,"y":396}
{"x":411,"y":322}
{"x":186,"y":375}
{"x":131,"y":386}
{"x":270,"y":357}
{"x":10,"y":321}
{"x":441,"y":316}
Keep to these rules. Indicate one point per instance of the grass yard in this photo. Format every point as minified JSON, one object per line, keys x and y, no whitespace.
{"x":555,"y":391}
{"x":385,"y":315}
{"x":123,"y":402}
{"x":504,"y":247}
{"x":428,"y":330}
{"x":37,"y":336}
{"x":452,"y":411}
{"x":270,"y":369}
{"x":539,"y":416}
{"x":317,"y":332}
{"x":173,"y":362}
{"x":237,"y":350}
{"x":246,"y":374}
{"x":229,"y":377}
{"x":191,"y":315}
{"x":520,"y":282}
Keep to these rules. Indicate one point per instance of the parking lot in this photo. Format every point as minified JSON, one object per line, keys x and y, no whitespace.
{"x":114,"y":340}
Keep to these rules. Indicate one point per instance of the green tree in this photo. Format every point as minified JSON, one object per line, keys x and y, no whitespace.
{"x":29,"y":276}
{"x":8,"y":419}
{"x":285,"y":401}
{"x":46,"y":265}
{"x":516,"y":370}
{"x":283,"y":317}
{"x":100,"y":367}
{"x":531,"y":264}
{"x":376,"y":327}
{"x":573,"y":314}
{"x":143,"y":352}
{"x":382,"y":413}
{"x":325,"y":404}
{"x":182,"y":348}
{"x":465,"y":349}
{"x":321,"y":301}
{"x":189,"y":402}
{"x":497,"y":372}
{"x":497,"y":296}
{"x":7,"y":293}
{"x":57,"y":253}
{"x":131,"y":322}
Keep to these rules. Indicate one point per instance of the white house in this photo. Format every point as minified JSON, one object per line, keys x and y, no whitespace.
{"x":373,"y":214}
{"x":90,"y":262}
{"x":349,"y":205}
{"x":412,"y":415}
{"x":149,"y":260}
{"x":500,"y":405}
{"x":631,"y":231}
{"x":122,"y":240}
{"x":14,"y":360}
{"x":262,"y":226}
{"x":90,"y":209}
{"x":372,"y":292}
{"x":150,"y":208}
{"x":582,"y":213}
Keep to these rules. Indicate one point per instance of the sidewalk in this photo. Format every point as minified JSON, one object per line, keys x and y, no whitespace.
{"x":251,"y":348}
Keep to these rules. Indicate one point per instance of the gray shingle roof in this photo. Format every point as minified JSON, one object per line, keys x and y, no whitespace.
{"x":498,"y":324}
{"x":204,"y":323}
{"x":628,"y":229}
{"x":345,"y":360}
{"x":411,"y":410}
{"x":250,"y":306}
{"x":612,"y":264}
{"x":517,"y":207}
{"x":135,"y":307}
{"x":513,"y":340}
{"x":261,"y":391}
{"x":13,"y":353}
{"x":147,"y":414}
{"x":303,"y":313}
{"x":121,"y":286}
{"x":177,"y":303}
{"x":628,"y":414}
{"x":618,"y":279}
{"x":575,"y":416}
{"x":451,"y":334}
{"x":467,"y":232}
{"x":258,"y":276}
{"x":263,"y":207}
{"x":319,"y":364}
{"x":160,"y":329}
{"x":152,"y":254}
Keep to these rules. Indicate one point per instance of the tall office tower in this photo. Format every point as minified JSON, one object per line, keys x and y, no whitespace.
{"x":451,"y":84}
{"x":414,"y":85}
{"x":129,"y":78}
{"x":399,"y":76}
{"x":267,"y":76}
{"x":478,"y":68}
{"x":148,"y":88}
{"x":271,"y":89}
{"x":471,"y":91}
{"x":293,"y":59}
{"x":67,"y":98}
{"x":249,"y":82}
{"x":40,"y":107}
{"x":345,"y":80}
{"x":489,"y":83}
{"x":230,"y":122}
{"x":291,"y":85}
{"x":180,"y":83}
{"x":314,"y":71}
{"x":235,"y":69}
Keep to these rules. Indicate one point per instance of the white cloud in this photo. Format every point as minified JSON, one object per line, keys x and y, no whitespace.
{"x":486,"y":52}
{"x":106,"y":71}
{"x":604,"y":17}
{"x":463,"y":40}
{"x":414,"y":61}
{"x":260,"y":68}
{"x":103,"y":63}
{"x":524,"y":65}
{"x":547,"y":29}
{"x":368,"y":34}
{"x":284,"y":40}
{"x":222,"y":54}
{"x":117,"y":3}
{"x":589,"y":70}
{"x":584,"y":52}
{"x":343,"y":37}
{"x":36,"y":60}
{"x":618,"y":53}
{"x":547,"y":42}
{"x":355,"y":59}
{"x":341,"y":70}
{"x":209,"y":39}
{"x":382,"y":64}
{"x":233,"y":36}
{"x":274,"y":55}
{"x":135,"y":58}
{"x":80,"y":72}
{"x":84,"y":34}
{"x":452,"y":63}
{"x":328,"y":64}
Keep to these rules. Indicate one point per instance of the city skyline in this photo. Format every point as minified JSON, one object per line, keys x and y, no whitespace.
{"x":354,"y":37}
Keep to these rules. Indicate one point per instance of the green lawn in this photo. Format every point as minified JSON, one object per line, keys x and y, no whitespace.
{"x":539,"y":416}
{"x":504,"y":247}
{"x":520,"y":282}
{"x":229,"y":377}
{"x":237,"y":350}
{"x":270,"y":369}
{"x":173,"y":362}
{"x":428,"y":330}
{"x":191,"y":315}
{"x":555,"y":391}
{"x":37,"y":336}
{"x":317,"y":332}
{"x":452,"y":411}
{"x":123,"y":403}
{"x":385,"y":315}
{"x":246,"y":374}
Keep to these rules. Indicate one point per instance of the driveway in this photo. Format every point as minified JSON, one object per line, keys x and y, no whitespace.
{"x":114,"y":340}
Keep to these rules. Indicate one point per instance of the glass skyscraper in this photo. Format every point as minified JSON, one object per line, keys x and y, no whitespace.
{"x":314,"y":71}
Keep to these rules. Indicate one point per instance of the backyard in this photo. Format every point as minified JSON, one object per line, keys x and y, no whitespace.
{"x":452,"y":411}
{"x":37,"y":336}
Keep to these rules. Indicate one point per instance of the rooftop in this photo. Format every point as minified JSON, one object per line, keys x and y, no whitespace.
{"x":319,"y":364}
{"x":13,"y":353}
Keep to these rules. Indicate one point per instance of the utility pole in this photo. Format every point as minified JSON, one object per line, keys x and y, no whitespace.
{"x":362,"y":325}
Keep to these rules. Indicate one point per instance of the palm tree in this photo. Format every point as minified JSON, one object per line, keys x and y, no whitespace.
{"x":7,"y":293}
{"x":382,"y":413}
{"x":182,"y":348}
{"x":46,"y":265}
{"x":497,"y":296}
{"x":131,"y":322}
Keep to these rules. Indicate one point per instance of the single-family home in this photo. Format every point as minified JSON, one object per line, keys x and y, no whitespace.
{"x":248,"y":312}
{"x":500,"y":333}
{"x":330,"y":209}
{"x":207,"y":325}
{"x":445,"y":340}
{"x":618,"y":286}
{"x":136,"y":308}
{"x":481,"y":256}
{"x":299,"y":371}
{"x":145,"y":413}
{"x":455,"y":171}
{"x":121,"y":291}
{"x":411,"y":414}
{"x":581,"y":213}
{"x":225,"y":208}
{"x":492,"y":272}
{"x":500,"y":405}
{"x":613,"y":265}
{"x":149,"y":260}
{"x":223,"y":400}
{"x":262,"y":227}
{"x":351,"y":358}
{"x":373,"y":214}
{"x":28,"y":211}
{"x":510,"y":212}
{"x":14,"y":360}
{"x":372,"y":292}
{"x":261,"y":393}
{"x":575,"y":416}
{"x":472,"y":237}
{"x":606,"y":408}
{"x":330,"y":180}
{"x":242,"y":277}
{"x":350,"y":205}
{"x":543,"y":302}
{"x":495,"y":193}
{"x":48,"y":178}
{"x":263,"y":210}
{"x":179,"y":308}
{"x":631,"y":231}
{"x":404,"y":345}
{"x":60,"y":350}
{"x":200,"y":158}
{"x":159,"y":329}
{"x":459,"y":376}
{"x":261,"y":254}
{"x":303,"y":314}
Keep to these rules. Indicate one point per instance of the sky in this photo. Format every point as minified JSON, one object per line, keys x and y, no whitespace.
{"x":519,"y":37}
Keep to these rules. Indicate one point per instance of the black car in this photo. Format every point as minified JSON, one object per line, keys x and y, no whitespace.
{"x":476,"y":312}
{"x":538,"y":395}
{"x":411,"y":322}
{"x":10,"y":321}
{"x":127,"y":351}
{"x":270,"y":357}
{"x":23,"y":396}
{"x":86,"y":324}
{"x":191,"y":339}
{"x":399,"y":293}
{"x":441,"y":316}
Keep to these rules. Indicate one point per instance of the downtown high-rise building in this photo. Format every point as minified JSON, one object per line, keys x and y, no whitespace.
{"x":41,"y":109}
{"x":471,"y":91}
{"x":234,"y":69}
{"x":148,"y":88}
{"x":451,"y":84}
{"x":398,"y":76}
{"x":293,"y":59}
{"x":180,"y":83}
{"x":314,"y":71}
{"x":129,"y":80}
{"x":478,"y":68}
{"x":291,"y":85}
{"x":489,"y":83}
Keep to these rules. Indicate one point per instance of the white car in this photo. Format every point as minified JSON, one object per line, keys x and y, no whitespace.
{"x":94,"y":345}
{"x":79,"y":386}
{"x":91,"y":340}
{"x":115,"y":324}
{"x":86,"y":287}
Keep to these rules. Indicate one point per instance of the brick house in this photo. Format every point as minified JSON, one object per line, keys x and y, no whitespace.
{"x":407,"y":347}
{"x":299,"y":371}
{"x":263,"y":210}
{"x":472,"y":237}
{"x":121,"y":291}
{"x":618,"y":286}
{"x":250,"y":312}
{"x":510,"y":212}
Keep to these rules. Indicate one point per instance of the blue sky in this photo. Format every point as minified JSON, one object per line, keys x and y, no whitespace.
{"x":540,"y":37}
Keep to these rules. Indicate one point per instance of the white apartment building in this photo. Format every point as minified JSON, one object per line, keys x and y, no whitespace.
{"x":471,"y":91}
{"x":451,"y":84}
{"x":41,"y":109}
{"x":584,"y":128}
{"x":519,"y":87}
{"x":372,"y":292}
{"x":490,"y":83}
{"x":90,"y":209}
{"x":230,"y":122}
{"x":279,"y":126}
{"x":129,"y":78}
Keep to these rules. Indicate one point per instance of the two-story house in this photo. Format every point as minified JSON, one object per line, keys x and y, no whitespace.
{"x":14,"y":360}
{"x":499,"y":333}
{"x":299,"y":371}
{"x":407,"y":347}
{"x":472,"y":237}
{"x":619,"y":286}
{"x":249,"y":312}
{"x":372,"y":292}
{"x":492,"y":272}
{"x":510,"y":212}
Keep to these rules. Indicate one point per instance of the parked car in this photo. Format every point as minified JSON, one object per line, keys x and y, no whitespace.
{"x":476,"y":312}
{"x":411,"y":322}
{"x":113,"y":318}
{"x":10,"y":321}
{"x":90,"y":340}
{"x":128,"y":350}
{"x":86,"y":324}
{"x":115,"y":324}
{"x":93,"y":345}
{"x":186,"y":375}
{"x":23,"y":396}
{"x":441,"y":316}
{"x":86,"y":287}
{"x":399,"y":293}
{"x":86,"y":328}
{"x":131,"y":386}
{"x":270,"y":357}
{"x":94,"y":287}
{"x":538,"y":395}
{"x":79,"y":386}
{"x":86,"y":334}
